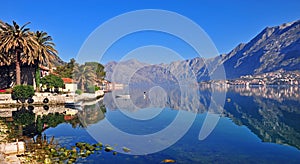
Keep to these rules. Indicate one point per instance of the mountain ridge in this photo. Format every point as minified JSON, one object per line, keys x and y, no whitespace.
{"x":274,"y":48}
{"x":267,"y":51}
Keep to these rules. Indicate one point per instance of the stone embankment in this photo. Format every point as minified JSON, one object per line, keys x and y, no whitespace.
{"x":50,"y":99}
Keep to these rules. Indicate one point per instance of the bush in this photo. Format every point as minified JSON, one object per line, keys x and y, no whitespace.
{"x":78,"y":91}
{"x":52,"y":81}
{"x":97,"y":88}
{"x":22,"y":92}
{"x":92,"y":89}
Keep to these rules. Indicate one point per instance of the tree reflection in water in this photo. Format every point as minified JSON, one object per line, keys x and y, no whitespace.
{"x":31,"y":124}
{"x":27,"y":124}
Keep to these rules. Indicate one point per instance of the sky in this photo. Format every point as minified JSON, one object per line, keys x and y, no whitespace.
{"x":227,"y":23}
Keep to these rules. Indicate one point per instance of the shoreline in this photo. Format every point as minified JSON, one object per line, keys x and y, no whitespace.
{"x":52,"y":99}
{"x":38,"y":109}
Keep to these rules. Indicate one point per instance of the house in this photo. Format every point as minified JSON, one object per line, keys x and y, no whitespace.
{"x":45,"y":71}
{"x":69,"y":85}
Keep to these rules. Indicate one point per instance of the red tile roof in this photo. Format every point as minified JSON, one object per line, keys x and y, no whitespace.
{"x":67,"y":117}
{"x":67,"y":80}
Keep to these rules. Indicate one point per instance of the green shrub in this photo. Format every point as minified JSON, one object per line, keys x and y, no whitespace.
{"x":92,"y":89}
{"x":97,"y":88}
{"x":52,"y":81}
{"x":78,"y":91}
{"x":22,"y":92}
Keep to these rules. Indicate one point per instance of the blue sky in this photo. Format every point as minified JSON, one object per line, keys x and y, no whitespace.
{"x":228,"y":23}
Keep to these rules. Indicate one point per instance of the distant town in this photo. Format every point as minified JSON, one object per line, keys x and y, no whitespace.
{"x":281,"y":77}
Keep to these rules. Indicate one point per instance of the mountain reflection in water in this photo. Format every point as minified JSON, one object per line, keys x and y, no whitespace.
{"x":271,"y":113}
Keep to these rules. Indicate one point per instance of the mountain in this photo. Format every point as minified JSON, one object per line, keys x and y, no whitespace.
{"x":275,"y":48}
{"x":58,"y":61}
{"x":120,"y":72}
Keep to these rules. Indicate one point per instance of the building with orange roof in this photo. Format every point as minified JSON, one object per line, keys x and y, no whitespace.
{"x":69,"y":85}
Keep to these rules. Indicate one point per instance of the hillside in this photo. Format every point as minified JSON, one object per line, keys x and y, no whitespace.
{"x":273,"y":49}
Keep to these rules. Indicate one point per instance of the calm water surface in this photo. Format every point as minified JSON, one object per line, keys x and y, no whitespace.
{"x":257,"y":125}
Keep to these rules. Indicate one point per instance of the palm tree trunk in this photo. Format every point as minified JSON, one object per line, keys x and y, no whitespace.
{"x":37,"y":77}
{"x":8,"y":77}
{"x":18,"y":69}
{"x":82,"y":86}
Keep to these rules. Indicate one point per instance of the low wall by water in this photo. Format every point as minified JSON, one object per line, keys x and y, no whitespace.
{"x":53,"y":99}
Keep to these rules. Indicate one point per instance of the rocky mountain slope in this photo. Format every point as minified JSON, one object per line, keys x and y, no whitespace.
{"x":272,"y":49}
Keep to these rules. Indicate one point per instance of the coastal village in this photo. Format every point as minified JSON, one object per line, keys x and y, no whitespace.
{"x":280,"y":77}
{"x":277,"y":78}
{"x":35,"y":62}
{"x":34,"y":83}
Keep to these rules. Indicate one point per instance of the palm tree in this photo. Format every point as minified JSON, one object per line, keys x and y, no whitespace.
{"x":5,"y":59}
{"x":84,"y":75}
{"x":18,"y":42}
{"x":47,"y":52}
{"x":45,"y":55}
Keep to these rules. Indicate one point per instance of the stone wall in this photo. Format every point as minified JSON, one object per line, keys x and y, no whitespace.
{"x":53,"y":98}
{"x":5,"y":99}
